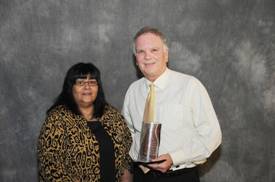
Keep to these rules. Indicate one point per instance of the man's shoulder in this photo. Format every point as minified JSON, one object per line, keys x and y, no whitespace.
{"x":182,"y":76}
{"x":136,"y":83}
{"x":190,"y":81}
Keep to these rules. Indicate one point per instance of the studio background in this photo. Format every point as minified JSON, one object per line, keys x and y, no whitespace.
{"x":228,"y":44}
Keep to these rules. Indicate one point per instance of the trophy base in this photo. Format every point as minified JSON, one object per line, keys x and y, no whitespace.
{"x":150,"y":162}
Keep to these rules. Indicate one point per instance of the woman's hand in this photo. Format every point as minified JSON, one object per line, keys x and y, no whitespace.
{"x":126,"y":176}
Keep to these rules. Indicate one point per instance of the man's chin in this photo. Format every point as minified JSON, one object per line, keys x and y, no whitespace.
{"x":150,"y":77}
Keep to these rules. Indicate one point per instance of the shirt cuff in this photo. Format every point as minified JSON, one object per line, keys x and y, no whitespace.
{"x":177,"y":157}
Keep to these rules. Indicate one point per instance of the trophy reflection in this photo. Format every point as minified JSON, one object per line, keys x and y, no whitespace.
{"x":149,"y":140}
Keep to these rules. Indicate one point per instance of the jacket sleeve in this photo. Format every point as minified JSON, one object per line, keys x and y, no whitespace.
{"x":51,"y":152}
{"x":127,"y":145}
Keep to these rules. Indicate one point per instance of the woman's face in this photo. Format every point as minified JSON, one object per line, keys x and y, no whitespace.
{"x":85,"y":91}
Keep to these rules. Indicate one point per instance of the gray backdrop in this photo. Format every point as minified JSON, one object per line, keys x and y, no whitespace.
{"x":228,"y":44}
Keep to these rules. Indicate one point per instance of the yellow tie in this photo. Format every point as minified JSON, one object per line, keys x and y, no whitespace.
{"x":149,"y":114}
{"x":149,"y":111}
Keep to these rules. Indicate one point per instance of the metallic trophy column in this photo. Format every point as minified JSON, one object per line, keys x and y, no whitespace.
{"x":149,"y":141}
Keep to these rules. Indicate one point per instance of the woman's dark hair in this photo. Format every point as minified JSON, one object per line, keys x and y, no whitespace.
{"x":80,"y":70}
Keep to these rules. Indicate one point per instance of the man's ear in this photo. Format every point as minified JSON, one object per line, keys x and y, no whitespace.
{"x":166,"y":55}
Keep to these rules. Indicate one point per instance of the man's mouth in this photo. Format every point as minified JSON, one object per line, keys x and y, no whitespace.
{"x":149,"y":64}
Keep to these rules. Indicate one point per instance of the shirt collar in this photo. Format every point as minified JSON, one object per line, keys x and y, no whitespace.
{"x":161,"y":82}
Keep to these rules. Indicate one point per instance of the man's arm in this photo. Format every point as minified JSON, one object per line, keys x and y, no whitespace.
{"x":126,"y":113}
{"x":207,"y":135}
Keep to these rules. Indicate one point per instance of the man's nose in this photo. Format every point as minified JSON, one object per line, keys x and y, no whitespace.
{"x":148,"y":55}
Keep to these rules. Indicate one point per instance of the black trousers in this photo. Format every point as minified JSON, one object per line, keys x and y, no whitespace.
{"x":181,"y":175}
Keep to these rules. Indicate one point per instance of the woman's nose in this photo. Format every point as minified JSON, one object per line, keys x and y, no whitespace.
{"x":86,"y":85}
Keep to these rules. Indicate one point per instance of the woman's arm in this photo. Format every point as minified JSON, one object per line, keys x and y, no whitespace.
{"x":51,"y":153}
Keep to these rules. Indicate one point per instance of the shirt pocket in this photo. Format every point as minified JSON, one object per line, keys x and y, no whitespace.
{"x":175,"y":116}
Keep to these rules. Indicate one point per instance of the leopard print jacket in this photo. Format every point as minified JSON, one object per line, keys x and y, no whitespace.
{"x":68,"y":151}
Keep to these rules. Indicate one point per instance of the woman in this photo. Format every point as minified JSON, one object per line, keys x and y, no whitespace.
{"x":83,"y":137}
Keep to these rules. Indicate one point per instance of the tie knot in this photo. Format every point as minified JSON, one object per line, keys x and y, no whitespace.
{"x":152,"y":86}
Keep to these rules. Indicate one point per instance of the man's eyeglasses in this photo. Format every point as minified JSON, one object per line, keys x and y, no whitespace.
{"x":83,"y":82}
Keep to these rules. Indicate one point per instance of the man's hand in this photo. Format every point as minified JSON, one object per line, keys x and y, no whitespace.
{"x":163,"y":166}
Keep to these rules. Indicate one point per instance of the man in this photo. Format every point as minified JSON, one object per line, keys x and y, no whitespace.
{"x":190,"y":131}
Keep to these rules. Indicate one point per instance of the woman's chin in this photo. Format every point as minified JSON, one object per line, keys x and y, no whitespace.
{"x":86,"y":104}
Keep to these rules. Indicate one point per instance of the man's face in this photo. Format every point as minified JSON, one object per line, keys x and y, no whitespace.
{"x":151,"y":55}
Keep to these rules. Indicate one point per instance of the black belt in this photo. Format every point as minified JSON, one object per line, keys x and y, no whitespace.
{"x":179,"y":171}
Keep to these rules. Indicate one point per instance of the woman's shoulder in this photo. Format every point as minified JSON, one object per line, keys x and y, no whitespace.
{"x":112,"y":112}
{"x":112,"y":117}
{"x":111,"y":108}
{"x":58,"y":110}
{"x":60,"y":113}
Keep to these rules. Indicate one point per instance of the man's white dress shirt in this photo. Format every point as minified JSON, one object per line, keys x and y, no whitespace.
{"x":190,"y":131}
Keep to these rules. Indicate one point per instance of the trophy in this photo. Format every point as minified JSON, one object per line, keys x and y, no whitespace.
{"x":149,"y":141}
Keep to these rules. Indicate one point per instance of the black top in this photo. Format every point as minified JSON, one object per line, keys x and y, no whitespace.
{"x":106,"y":152}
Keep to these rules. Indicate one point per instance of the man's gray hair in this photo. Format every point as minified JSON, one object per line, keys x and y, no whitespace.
{"x":152,"y":30}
